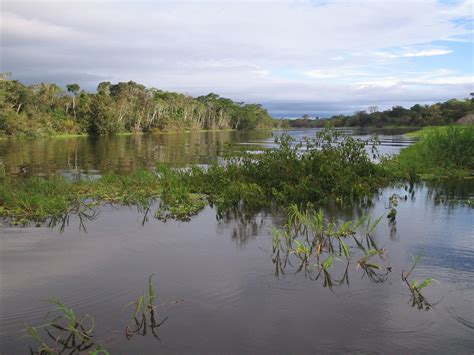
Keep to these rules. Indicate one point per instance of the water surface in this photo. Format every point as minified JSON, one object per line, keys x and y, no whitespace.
{"x":220,"y":270}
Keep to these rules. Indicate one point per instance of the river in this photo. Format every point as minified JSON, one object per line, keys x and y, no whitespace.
{"x":216,"y":277}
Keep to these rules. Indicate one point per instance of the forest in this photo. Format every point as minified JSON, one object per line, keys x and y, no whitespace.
{"x":438,"y":114}
{"x":47,"y":109}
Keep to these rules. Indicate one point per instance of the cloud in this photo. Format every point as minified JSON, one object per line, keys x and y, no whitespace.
{"x":287,"y":52}
{"x":415,"y":53}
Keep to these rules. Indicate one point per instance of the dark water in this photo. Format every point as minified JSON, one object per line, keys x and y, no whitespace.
{"x":216,"y":278}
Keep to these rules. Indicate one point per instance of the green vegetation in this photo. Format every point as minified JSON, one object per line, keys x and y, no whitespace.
{"x":144,"y":312}
{"x":318,"y":244}
{"x":46,"y":109}
{"x":441,"y":113}
{"x":415,"y":287}
{"x":311,"y":243}
{"x":64,"y":332}
{"x":445,"y":151}
{"x":330,"y":168}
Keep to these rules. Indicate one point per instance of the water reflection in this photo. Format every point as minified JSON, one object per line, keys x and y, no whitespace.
{"x":78,"y":156}
{"x":82,"y":155}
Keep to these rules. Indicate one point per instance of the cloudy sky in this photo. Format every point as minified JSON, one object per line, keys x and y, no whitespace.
{"x":318,"y":57}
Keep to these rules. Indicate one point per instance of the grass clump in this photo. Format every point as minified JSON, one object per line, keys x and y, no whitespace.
{"x":447,"y":151}
{"x":136,"y":188}
{"x":37,"y":199}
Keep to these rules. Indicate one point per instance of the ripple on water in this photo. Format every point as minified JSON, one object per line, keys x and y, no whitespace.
{"x":12,"y":320}
{"x":385,"y":313}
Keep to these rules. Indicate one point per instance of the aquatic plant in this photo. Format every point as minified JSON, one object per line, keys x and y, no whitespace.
{"x":144,"y":314}
{"x":330,"y":168}
{"x":65,"y":332}
{"x":317,"y":244}
{"x":416,"y":287}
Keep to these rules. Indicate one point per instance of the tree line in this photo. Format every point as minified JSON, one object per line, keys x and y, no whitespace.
{"x":47,"y":109}
{"x":441,"y":113}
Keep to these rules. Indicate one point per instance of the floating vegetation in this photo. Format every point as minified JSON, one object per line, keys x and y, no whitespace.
{"x":313,"y":244}
{"x":330,"y":169}
{"x":144,"y":314}
{"x":417,"y":299}
{"x":326,"y":169}
{"x":64,"y":332}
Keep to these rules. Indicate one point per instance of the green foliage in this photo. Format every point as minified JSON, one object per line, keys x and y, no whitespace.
{"x":36,"y":199}
{"x":444,"y":113}
{"x":144,"y":313}
{"x":328,"y":168}
{"x":448,"y":151}
{"x":318,"y":244}
{"x":415,"y":287}
{"x":46,"y":109}
{"x":64,"y":332}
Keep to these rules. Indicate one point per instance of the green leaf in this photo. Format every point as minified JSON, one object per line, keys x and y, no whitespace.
{"x":151,"y":290}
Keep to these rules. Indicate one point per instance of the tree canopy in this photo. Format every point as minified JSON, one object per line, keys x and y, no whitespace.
{"x":46,"y":109}
{"x":441,"y":113}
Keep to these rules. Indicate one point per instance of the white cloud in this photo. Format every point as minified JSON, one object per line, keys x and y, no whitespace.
{"x":264,"y":51}
{"x":415,"y":53}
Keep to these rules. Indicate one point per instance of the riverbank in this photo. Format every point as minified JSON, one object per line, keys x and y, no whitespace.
{"x":441,"y":152}
{"x":138,"y":133}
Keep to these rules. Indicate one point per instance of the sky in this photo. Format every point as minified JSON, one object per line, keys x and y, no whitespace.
{"x":320,"y":57}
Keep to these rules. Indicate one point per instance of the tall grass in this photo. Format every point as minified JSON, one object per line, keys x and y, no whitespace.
{"x":444,"y":151}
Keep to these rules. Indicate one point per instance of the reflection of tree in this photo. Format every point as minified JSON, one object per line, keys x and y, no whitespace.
{"x":246,"y":222}
{"x":451,"y":193}
{"x":83,"y":211}
{"x":124,"y":153}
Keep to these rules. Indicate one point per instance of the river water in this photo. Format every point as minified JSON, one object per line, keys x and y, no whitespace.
{"x":216,"y":278}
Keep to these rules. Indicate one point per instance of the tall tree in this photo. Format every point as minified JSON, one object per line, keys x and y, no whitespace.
{"x":73,"y":89}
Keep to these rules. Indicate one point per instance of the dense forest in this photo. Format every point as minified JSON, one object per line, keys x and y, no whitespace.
{"x":47,"y":109}
{"x":443,"y":113}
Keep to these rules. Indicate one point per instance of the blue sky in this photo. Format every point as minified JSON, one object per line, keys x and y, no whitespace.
{"x":295,"y":57}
